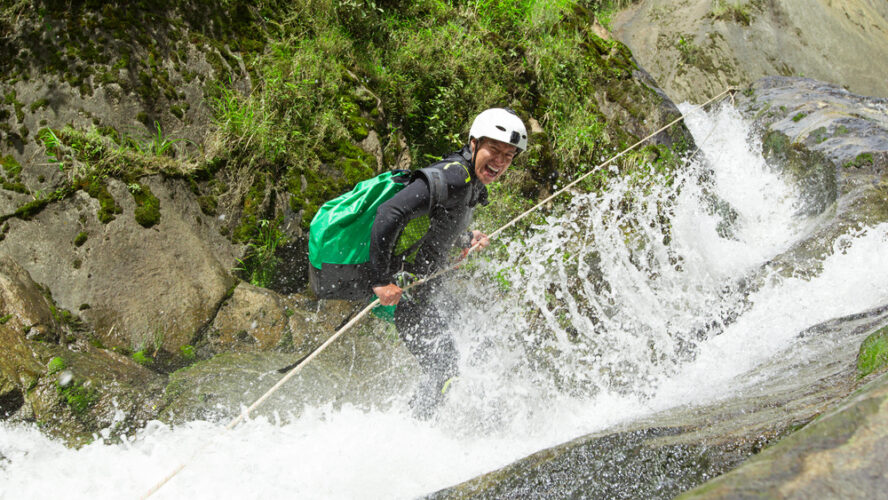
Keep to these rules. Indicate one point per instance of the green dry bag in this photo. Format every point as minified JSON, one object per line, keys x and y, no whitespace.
{"x":340,"y":231}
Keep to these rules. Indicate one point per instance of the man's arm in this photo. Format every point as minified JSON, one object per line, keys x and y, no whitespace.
{"x":391,"y":218}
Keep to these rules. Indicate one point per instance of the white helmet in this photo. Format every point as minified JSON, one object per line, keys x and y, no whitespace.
{"x":500,"y":124}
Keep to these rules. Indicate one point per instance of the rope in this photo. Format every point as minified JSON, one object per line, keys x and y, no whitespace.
{"x":358,"y":317}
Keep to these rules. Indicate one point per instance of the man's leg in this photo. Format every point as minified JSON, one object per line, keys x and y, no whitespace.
{"x":422,"y":327}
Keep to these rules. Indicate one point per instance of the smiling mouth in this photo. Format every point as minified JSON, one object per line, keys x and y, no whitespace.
{"x":491,"y":171}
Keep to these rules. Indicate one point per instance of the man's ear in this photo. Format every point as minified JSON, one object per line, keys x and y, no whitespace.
{"x":472,"y":144}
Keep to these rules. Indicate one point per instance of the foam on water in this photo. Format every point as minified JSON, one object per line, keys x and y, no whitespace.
{"x":585,"y":326}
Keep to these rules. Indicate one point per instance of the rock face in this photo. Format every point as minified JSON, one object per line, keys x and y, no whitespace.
{"x":834,"y":144}
{"x":844,"y":452}
{"x":71,"y":390}
{"x":667,"y":454}
{"x":139,"y":287}
{"x":695,"y":48}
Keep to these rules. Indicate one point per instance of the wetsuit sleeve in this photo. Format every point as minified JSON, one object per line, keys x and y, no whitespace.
{"x":391,"y":218}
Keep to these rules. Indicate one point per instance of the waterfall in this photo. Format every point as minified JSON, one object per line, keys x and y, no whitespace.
{"x":653,"y":294}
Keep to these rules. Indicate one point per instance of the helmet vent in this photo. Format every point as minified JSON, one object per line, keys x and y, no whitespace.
{"x":515,"y":137}
{"x":501,"y":128}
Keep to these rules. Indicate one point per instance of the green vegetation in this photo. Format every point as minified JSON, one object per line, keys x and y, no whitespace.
{"x":187,"y":352}
{"x":873,"y":355}
{"x":296,"y":86}
{"x":260,"y":264}
{"x":5,"y":318}
{"x":80,"y":239}
{"x":147,"y":205}
{"x":143,"y":358}
{"x":78,"y":396}
{"x":688,"y":50}
{"x":55,"y":365}
{"x":737,"y":11}
{"x":799,"y":116}
{"x":861,"y":160}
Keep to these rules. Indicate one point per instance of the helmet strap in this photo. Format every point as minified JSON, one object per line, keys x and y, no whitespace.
{"x":475,"y":152}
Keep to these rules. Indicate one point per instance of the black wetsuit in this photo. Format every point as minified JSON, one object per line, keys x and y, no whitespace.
{"x":422,"y":315}
{"x":454,"y":202}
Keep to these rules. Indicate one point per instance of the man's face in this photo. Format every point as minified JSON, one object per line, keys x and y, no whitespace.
{"x":493,"y":158}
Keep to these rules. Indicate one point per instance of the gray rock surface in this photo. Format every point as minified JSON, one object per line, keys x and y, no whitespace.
{"x":139,"y":287}
{"x":834,"y":144}
{"x":695,"y":48}
{"x":842,"y":454}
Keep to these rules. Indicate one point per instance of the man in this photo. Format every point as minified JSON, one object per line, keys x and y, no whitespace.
{"x":415,"y":231}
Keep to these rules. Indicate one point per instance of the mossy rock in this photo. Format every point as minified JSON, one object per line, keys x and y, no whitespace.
{"x":97,"y":189}
{"x":147,"y":210}
{"x":873,"y":356}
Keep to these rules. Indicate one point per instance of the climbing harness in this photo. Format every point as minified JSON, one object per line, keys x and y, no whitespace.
{"x":358,"y":317}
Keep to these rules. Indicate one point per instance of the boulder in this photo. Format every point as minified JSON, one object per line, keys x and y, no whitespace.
{"x":138,"y":287}
{"x":834,"y":145}
{"x":25,"y":311}
{"x":842,"y":454}
{"x":86,"y":391}
{"x":252,"y":319}
{"x":72,"y":390}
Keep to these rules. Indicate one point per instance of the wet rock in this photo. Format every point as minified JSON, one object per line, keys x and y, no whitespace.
{"x":834,"y":145}
{"x":86,"y":391}
{"x":362,"y":367}
{"x":72,"y":390}
{"x":842,"y":454}
{"x":809,"y":116}
{"x":678,"y":449}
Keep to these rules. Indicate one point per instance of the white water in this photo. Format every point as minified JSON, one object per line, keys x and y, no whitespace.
{"x":549,"y":357}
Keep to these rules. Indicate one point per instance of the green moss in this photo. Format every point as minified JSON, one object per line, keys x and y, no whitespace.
{"x":208,"y":204}
{"x":187,"y":352}
{"x":16,"y":187}
{"x":10,"y":166}
{"x":39,"y":104}
{"x":819,"y":135}
{"x":97,"y":189}
{"x":55,"y":365}
{"x":147,"y":205}
{"x":31,"y":208}
{"x":80,"y":239}
{"x":143,"y":358}
{"x":873,"y":355}
{"x":5,"y":319}
{"x":862,"y":160}
{"x":78,"y":397}
{"x":799,"y":117}
{"x":179,"y":110}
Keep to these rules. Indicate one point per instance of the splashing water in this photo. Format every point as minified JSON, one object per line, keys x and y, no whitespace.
{"x":601,"y":316}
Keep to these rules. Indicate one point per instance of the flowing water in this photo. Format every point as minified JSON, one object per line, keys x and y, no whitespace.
{"x":600,"y":316}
